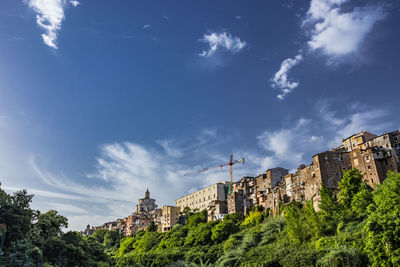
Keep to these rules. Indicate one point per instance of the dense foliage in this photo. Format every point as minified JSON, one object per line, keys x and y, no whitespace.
{"x":35,"y":238}
{"x":358,"y":227}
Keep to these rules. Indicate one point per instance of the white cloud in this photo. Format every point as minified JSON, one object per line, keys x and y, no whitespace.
{"x":287,"y":145}
{"x":369,"y":120}
{"x":49,"y":16}
{"x":146,"y":26}
{"x":74,"y":3}
{"x":221,"y":40}
{"x":334,"y":33}
{"x":281,"y":81}
{"x":170,"y":149}
{"x":337,"y":33}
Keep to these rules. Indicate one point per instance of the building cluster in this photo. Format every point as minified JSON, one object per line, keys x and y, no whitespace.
{"x":146,"y":212}
{"x":372,"y":155}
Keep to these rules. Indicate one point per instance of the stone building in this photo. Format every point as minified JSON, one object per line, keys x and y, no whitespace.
{"x":146,"y":204}
{"x":170,"y":217}
{"x":250,"y":191}
{"x":375,"y":157}
{"x":355,"y":140}
{"x":236,"y":201}
{"x":243,"y":195}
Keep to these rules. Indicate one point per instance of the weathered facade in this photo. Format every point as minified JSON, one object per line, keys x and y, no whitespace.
{"x":217,"y":209}
{"x":243,"y":195}
{"x":170,"y":217}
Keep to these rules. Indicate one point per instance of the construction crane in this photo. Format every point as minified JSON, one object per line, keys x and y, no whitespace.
{"x":230,"y":164}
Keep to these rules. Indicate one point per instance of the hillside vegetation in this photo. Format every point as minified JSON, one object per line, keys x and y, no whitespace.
{"x":358,"y":228}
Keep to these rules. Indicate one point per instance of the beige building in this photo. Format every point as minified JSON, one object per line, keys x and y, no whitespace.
{"x":202,"y":199}
{"x":170,"y":217}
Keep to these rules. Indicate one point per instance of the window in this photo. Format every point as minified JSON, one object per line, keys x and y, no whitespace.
{"x":369,"y":167}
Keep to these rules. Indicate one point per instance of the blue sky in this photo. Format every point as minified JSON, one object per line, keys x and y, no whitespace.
{"x":100,"y":100}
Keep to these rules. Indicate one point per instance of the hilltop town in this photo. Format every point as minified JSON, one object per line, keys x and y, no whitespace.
{"x":371,"y":154}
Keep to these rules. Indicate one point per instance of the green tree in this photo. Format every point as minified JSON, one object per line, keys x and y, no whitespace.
{"x":201,"y":235}
{"x":329,"y":212}
{"x":312,"y":219}
{"x":196,"y":218}
{"x":100,"y":234}
{"x":349,"y":186}
{"x":111,"y":239}
{"x":147,"y":241}
{"x":125,"y":246}
{"x":16,"y":213}
{"x":254,"y":218}
{"x":362,"y":200}
{"x":223,"y":230}
{"x":51,"y":224}
{"x":296,"y":227}
{"x":383,"y":226}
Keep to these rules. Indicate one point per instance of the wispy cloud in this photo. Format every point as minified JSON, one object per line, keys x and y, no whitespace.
{"x":49,"y":16}
{"x":221,"y":40}
{"x":146,"y":26}
{"x":281,"y":81}
{"x":170,"y":149}
{"x":334,"y":33}
{"x":44,"y":193}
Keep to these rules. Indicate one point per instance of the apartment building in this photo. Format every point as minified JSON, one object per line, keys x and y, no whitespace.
{"x":203,"y":198}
